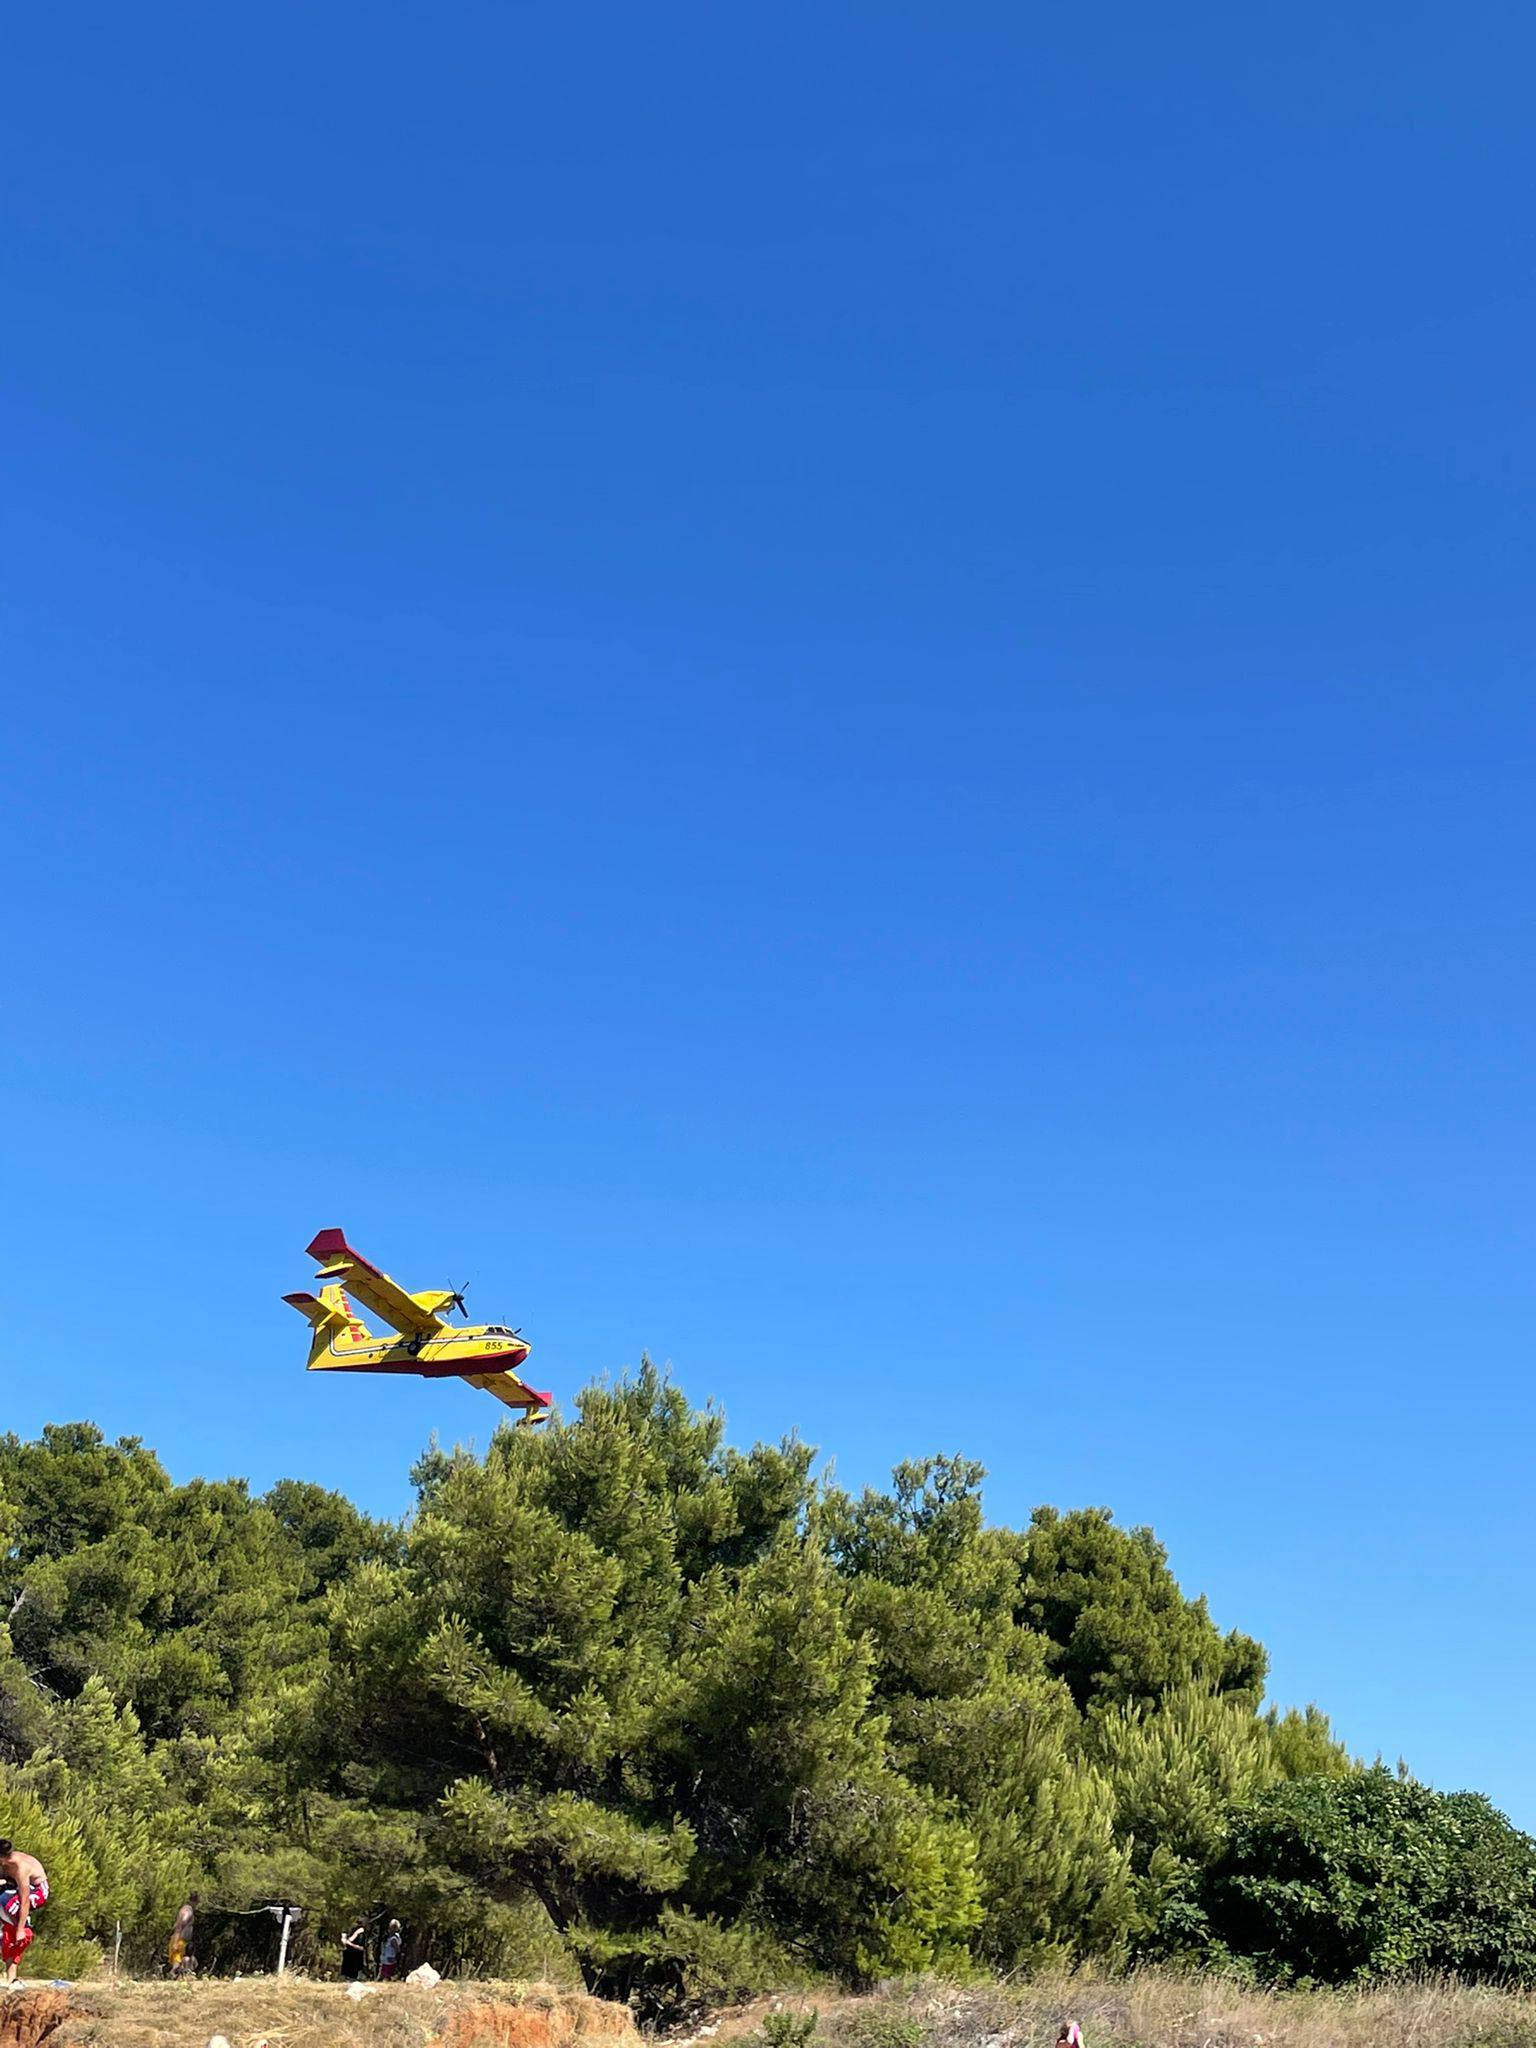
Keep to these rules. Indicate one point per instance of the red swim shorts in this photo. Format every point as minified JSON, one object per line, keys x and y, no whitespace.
{"x":13,"y":1946}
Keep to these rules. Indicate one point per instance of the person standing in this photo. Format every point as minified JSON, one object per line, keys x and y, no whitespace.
{"x":354,"y":1951}
{"x":389,"y":1954}
{"x":178,"y":1951}
{"x":23,"y":1889}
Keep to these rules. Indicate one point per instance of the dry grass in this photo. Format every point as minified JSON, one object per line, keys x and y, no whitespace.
{"x":292,"y":2012}
{"x":1148,"y":2009}
{"x":1152,"y":2009}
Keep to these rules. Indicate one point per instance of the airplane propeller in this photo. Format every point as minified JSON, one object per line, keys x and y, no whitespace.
{"x":456,"y":1300}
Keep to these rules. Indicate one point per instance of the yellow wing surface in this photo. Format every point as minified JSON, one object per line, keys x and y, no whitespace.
{"x":344,"y":1267}
{"x":509,"y":1390}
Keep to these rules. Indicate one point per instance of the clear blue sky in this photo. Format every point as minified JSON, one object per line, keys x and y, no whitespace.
{"x":840,"y":690}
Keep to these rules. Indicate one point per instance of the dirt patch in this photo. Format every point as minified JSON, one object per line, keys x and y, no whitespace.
{"x":556,"y":2023}
{"x":30,"y":2017}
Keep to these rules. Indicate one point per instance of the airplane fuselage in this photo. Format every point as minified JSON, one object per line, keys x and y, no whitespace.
{"x":486,"y":1356}
{"x":452,"y":1356}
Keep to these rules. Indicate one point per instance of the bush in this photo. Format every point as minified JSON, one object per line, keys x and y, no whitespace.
{"x":1335,"y":1880}
{"x":789,"y":2029}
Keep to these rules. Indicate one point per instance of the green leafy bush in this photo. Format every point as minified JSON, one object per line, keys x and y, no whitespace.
{"x":1339,"y":1880}
{"x":786,"y":2029}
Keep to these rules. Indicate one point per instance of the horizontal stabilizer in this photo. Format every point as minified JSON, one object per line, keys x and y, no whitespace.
{"x":315,"y":1311}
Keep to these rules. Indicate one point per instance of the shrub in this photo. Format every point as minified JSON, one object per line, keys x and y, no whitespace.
{"x":785,"y":2029}
{"x":1341,"y":1879}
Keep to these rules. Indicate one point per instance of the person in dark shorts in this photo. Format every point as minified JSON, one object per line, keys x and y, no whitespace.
{"x":354,"y":1951}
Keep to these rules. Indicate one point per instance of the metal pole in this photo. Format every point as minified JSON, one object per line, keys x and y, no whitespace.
{"x":282,"y":1946}
{"x":117,"y":1947}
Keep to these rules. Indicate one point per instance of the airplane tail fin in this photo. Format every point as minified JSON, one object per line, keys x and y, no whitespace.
{"x":328,"y":1315}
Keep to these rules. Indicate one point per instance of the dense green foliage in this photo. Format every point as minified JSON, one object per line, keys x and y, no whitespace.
{"x":618,"y":1697}
{"x":1371,"y":1876}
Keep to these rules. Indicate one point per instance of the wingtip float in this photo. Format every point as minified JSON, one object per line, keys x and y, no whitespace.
{"x":424,"y":1341}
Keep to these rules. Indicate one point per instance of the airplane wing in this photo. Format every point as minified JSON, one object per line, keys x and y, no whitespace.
{"x":375,"y":1290}
{"x":509,"y":1389}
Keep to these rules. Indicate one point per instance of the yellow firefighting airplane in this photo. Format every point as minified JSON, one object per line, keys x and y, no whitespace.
{"x":427,"y":1344}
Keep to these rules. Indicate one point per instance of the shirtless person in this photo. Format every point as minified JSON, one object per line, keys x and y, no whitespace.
{"x":23,"y":1888}
{"x":181,"y":1938}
